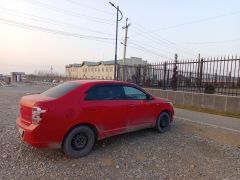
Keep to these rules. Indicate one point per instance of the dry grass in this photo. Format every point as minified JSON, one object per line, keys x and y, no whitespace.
{"x":206,"y":110}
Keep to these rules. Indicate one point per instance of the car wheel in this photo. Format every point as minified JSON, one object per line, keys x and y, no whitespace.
{"x":79,"y":142}
{"x":163,"y":123}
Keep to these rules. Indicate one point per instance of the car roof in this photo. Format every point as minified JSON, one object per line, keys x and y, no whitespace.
{"x":101,"y":82}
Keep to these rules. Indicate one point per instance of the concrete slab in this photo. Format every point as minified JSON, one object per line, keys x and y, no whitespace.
{"x":197,"y":99}
{"x":187,"y":96}
{"x":208,"y":101}
{"x":171,"y":96}
{"x":179,"y":97}
{"x":220,"y":103}
{"x":233,"y":104}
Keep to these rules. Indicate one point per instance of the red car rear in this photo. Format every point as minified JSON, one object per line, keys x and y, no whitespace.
{"x":75,"y":114}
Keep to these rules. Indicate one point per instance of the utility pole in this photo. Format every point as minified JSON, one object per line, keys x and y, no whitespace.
{"x":125,"y":40}
{"x":125,"y":46}
{"x":115,"y":61}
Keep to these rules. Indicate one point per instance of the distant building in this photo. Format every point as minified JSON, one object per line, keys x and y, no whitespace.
{"x":98,"y":70}
{"x":17,"y":76}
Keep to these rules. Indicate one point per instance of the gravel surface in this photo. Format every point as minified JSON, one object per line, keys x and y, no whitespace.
{"x":185,"y":152}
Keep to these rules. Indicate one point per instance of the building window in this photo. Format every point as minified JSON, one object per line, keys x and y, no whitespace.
{"x":92,"y":69}
{"x":106,"y":69}
{"x":103,"y":69}
{"x":111,"y":69}
{"x":88,"y":69}
{"x":98,"y":69}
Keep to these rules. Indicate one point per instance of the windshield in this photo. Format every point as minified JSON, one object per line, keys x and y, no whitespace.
{"x":60,"y":90}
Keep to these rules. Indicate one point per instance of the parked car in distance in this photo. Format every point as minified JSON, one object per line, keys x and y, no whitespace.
{"x":75,"y":114}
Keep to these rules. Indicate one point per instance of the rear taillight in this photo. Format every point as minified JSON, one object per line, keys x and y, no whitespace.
{"x":37,"y":114}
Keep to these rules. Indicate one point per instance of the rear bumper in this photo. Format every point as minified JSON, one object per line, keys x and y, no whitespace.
{"x":32,"y":134}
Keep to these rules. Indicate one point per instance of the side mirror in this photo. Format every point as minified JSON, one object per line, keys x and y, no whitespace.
{"x":149,"y":97}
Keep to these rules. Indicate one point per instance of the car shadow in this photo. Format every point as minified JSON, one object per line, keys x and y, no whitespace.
{"x":105,"y":145}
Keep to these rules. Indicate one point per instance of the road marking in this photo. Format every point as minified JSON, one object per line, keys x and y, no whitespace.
{"x":207,"y":124}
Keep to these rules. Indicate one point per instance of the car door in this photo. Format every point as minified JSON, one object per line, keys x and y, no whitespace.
{"x":105,"y":106}
{"x":140,"y":108}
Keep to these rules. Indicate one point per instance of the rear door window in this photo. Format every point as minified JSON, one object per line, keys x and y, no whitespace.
{"x":107,"y":92}
{"x":61,"y":89}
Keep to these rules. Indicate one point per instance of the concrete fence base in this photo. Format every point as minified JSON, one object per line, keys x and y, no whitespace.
{"x":211,"y":101}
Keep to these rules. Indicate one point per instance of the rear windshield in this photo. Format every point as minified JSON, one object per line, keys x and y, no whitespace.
{"x":60,"y":90}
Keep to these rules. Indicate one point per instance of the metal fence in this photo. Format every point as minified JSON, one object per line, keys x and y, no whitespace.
{"x":209,"y":75}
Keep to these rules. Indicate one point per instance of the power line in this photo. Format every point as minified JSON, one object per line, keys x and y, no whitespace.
{"x":164,"y":43}
{"x":196,"y":21}
{"x":157,"y":39}
{"x":142,"y":48}
{"x":43,"y":29}
{"x":152,"y":47}
{"x":48,"y":20}
{"x":71,"y":13}
{"x":164,"y":40}
{"x":89,"y":7}
{"x":214,"y":42}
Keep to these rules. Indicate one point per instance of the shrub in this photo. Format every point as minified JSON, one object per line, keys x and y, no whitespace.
{"x":238,"y":82}
{"x":209,"y":88}
{"x":188,"y":82}
{"x":147,"y":83}
{"x":160,"y":83}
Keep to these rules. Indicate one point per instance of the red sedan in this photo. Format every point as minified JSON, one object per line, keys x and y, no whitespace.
{"x":75,"y":114}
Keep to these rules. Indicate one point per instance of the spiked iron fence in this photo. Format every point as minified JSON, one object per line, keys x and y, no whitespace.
{"x":206,"y":75}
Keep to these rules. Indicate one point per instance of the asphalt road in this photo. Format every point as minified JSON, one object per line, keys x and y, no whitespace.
{"x":227,"y":123}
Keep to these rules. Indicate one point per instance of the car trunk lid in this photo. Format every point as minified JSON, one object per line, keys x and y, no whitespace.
{"x":27,"y":103}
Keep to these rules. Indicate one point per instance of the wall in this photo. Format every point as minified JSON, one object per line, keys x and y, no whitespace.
{"x":91,"y":72}
{"x":211,"y":101}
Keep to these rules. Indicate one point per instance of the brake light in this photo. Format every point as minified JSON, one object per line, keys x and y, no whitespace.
{"x":37,"y":114}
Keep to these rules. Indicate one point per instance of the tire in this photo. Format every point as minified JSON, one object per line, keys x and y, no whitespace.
{"x":79,"y":142}
{"x":163,"y":122}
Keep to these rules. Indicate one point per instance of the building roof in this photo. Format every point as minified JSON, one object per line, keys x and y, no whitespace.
{"x":18,"y":73}
{"x":107,"y":62}
{"x":89,"y":63}
{"x":110,"y":62}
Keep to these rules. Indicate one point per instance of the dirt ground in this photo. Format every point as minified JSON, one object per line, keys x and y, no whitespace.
{"x":187,"y":151}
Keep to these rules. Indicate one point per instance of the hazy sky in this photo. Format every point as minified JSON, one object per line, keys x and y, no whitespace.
{"x":35,"y":34}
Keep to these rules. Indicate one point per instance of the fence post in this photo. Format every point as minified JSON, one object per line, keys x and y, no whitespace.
{"x":199,"y":73}
{"x":122,"y":71}
{"x":144,"y":75}
{"x":175,"y":76}
{"x":118,"y":71}
{"x":139,"y":74}
{"x":164,"y":75}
